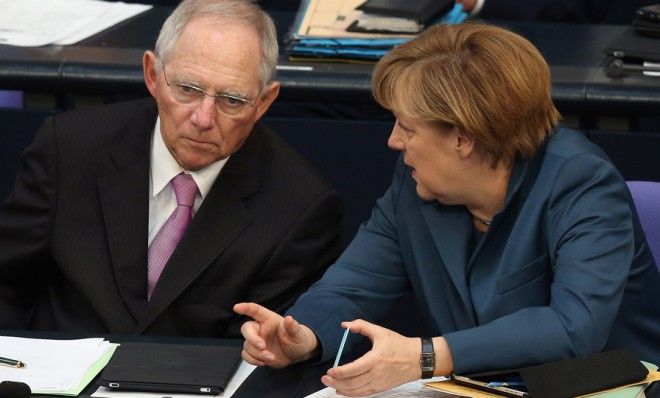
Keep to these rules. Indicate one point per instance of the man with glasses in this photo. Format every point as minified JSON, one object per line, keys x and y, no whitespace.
{"x":156,"y":217}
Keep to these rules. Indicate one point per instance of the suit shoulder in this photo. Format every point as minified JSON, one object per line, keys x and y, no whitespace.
{"x":95,"y":120}
{"x":116,"y":109}
{"x":567,"y":143}
{"x":569,"y":154}
{"x":82,"y":135}
{"x":570,"y":148}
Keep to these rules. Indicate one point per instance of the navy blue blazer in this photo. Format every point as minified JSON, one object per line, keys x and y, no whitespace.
{"x":564,"y":270}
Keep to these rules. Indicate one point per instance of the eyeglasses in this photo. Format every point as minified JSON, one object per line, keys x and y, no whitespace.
{"x":225,"y":103}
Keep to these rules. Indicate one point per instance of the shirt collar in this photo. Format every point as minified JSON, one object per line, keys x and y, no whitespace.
{"x":164,"y":167}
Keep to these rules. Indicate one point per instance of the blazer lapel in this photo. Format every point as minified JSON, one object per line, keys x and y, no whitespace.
{"x":124,"y":196}
{"x":220,"y":218}
{"x":454,"y":250}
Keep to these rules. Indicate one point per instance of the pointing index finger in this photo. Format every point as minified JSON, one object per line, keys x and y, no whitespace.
{"x":254,"y":311}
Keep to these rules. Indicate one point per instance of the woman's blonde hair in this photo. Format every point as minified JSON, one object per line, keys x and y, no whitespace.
{"x":489,"y":82}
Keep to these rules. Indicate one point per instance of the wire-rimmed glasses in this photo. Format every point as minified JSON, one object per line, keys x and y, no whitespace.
{"x":226,"y":103}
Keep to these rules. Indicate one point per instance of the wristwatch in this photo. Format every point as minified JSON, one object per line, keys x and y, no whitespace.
{"x":427,"y":358}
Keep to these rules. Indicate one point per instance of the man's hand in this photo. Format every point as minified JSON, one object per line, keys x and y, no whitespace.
{"x":392,"y":361}
{"x":273,"y":340}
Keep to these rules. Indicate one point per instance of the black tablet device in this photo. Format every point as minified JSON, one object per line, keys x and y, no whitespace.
{"x":171,"y":368}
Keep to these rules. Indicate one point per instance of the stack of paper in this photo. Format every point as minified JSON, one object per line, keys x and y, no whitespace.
{"x":40,"y":22}
{"x":56,"y":367}
{"x":320,"y":32}
{"x":412,"y":389}
{"x":399,"y":16}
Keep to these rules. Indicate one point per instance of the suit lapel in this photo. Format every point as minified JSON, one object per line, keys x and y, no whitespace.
{"x":454,"y":250}
{"x":220,"y":218}
{"x":124,"y":191}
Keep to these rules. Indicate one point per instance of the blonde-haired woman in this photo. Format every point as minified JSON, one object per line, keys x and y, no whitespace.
{"x":519,"y":238}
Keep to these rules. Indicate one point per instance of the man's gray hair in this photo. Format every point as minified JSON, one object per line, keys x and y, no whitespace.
{"x":236,"y":11}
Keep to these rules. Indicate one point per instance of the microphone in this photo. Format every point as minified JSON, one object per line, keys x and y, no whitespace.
{"x":617,"y":68}
{"x":14,"y":389}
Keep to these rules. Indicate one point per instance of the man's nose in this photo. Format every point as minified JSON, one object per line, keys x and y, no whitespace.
{"x":204,"y":113}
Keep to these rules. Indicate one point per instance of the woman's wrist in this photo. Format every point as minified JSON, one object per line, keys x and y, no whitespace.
{"x":310,"y":347}
{"x":444,"y":362}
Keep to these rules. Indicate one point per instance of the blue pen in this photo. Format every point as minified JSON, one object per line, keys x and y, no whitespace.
{"x":341,"y":347}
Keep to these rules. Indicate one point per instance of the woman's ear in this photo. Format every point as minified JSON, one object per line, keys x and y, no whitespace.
{"x":464,"y":143}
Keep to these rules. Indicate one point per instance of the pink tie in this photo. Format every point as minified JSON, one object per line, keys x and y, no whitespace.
{"x":170,"y":233}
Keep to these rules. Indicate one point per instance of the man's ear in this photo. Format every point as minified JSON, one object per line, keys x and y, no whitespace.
{"x":267,"y":97}
{"x":464,"y":143}
{"x":149,"y":71}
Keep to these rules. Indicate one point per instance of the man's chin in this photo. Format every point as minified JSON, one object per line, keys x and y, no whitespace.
{"x":198,"y":157}
{"x":194,"y":164}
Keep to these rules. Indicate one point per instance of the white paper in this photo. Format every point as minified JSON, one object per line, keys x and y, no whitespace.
{"x":414,"y":388}
{"x":388,"y":24}
{"x":111,"y":16}
{"x":51,"y":365}
{"x":243,"y":371}
{"x":41,"y":22}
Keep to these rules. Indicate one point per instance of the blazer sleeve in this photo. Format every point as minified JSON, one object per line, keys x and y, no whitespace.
{"x":25,"y":228}
{"x":366,"y":280}
{"x":311,"y":244}
{"x":589,"y":226}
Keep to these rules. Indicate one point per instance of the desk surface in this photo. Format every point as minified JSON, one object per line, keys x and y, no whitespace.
{"x":294,"y":382}
{"x":110,"y":63}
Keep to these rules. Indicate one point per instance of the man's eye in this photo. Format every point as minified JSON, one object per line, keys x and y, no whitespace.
{"x":231,"y":101}
{"x":188,"y":90}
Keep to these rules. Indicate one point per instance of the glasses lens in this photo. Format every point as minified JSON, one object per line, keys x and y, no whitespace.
{"x":225,"y":103}
{"x":231,"y":105}
{"x":187,"y":94}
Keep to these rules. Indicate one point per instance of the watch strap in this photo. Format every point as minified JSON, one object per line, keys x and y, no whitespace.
{"x":427,"y":358}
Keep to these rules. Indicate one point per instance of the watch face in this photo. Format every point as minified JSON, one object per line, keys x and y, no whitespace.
{"x":427,"y":362}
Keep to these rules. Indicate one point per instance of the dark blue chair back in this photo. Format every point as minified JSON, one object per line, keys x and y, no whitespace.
{"x":353,"y":155}
{"x":17,"y":129}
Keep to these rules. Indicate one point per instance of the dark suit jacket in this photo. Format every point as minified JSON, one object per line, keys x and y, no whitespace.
{"x":564,"y":270}
{"x":590,"y":11}
{"x":73,"y":234}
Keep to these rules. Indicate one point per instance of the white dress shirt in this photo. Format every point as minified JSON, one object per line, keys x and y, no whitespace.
{"x":162,"y":168}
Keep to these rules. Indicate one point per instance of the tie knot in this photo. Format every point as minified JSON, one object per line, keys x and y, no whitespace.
{"x":185,"y":189}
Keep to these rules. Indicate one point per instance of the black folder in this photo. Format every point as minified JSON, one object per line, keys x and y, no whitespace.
{"x":420,"y":10}
{"x":171,"y":368}
{"x":575,"y":376}
{"x":632,"y":45}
